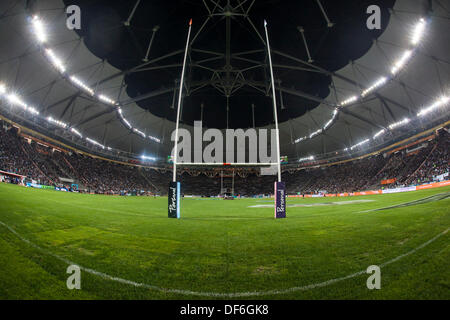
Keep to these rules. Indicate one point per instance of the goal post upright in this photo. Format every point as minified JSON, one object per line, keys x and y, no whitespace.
{"x":180,"y":97}
{"x":174,"y":187}
{"x":280,"y":188}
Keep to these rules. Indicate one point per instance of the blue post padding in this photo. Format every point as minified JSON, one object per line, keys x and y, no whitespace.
{"x":174,"y":196}
{"x":178,"y":199}
{"x":280,"y":200}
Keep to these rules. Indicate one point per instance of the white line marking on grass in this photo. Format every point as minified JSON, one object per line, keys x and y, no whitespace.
{"x":216,"y":294}
{"x":434,"y":198}
{"x":100,"y":209}
{"x":319,"y":204}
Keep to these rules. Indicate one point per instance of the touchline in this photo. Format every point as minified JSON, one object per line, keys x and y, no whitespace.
{"x":213,"y":153}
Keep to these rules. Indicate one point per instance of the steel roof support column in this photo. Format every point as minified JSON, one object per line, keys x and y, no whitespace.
{"x":329,"y":23}
{"x":127,"y":23}
{"x":155,"y":29}
{"x":302,"y":32}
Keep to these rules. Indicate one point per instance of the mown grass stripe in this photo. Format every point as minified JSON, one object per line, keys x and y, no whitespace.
{"x":215,"y":294}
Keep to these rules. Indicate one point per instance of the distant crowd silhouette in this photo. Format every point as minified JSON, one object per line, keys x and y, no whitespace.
{"x":45,"y":166}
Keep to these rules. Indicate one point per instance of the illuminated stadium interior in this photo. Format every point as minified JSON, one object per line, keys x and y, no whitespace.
{"x":362,"y":115}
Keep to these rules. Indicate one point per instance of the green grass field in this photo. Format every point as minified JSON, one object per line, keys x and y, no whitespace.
{"x":222,"y":247}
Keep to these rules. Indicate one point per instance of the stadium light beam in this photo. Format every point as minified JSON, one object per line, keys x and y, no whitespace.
{"x":33,"y":110}
{"x":399,"y":124}
{"x":127,"y":123}
{"x":349,"y":101}
{"x":401,"y":62}
{"x":311,"y":158}
{"x":315,"y":133}
{"x":379,"y":133}
{"x":73,"y":130}
{"x":375,"y":86}
{"x":81,"y":85}
{"x":106,"y":99}
{"x":301,"y":139}
{"x":39,"y":29}
{"x":418,"y":32}
{"x":360,"y":144}
{"x":15,"y":100}
{"x":57,"y":122}
{"x":439,"y":103}
{"x":139,"y":133}
{"x":95,"y":143}
{"x":148,"y":158}
{"x":57,"y":63}
{"x":154,"y":139}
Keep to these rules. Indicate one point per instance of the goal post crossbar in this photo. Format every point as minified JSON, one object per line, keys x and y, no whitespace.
{"x":212,"y":164}
{"x":180,"y":97}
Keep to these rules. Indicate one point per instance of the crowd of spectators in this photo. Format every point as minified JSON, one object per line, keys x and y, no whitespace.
{"x":436,"y":164}
{"x":106,"y":177}
{"x":44,"y":165}
{"x":14,"y":158}
{"x":346,"y":177}
{"x":423,"y":164}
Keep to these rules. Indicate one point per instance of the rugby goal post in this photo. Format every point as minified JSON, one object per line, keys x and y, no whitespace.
{"x":175,"y":187}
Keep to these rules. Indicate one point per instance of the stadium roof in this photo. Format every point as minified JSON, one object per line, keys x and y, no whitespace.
{"x":339,"y":85}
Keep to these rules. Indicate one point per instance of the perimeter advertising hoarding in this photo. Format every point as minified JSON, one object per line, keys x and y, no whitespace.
{"x":39,"y":186}
{"x":398,"y":190}
{"x":434,"y":185}
{"x":375,"y":192}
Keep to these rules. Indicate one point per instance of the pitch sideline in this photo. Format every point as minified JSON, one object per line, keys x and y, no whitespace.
{"x":215,"y":294}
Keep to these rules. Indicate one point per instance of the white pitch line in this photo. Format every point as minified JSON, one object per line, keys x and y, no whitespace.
{"x":409,"y":203}
{"x":216,"y":294}
{"x":318,"y":204}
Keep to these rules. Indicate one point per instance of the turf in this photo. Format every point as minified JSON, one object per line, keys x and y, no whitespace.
{"x":221,"y":246}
